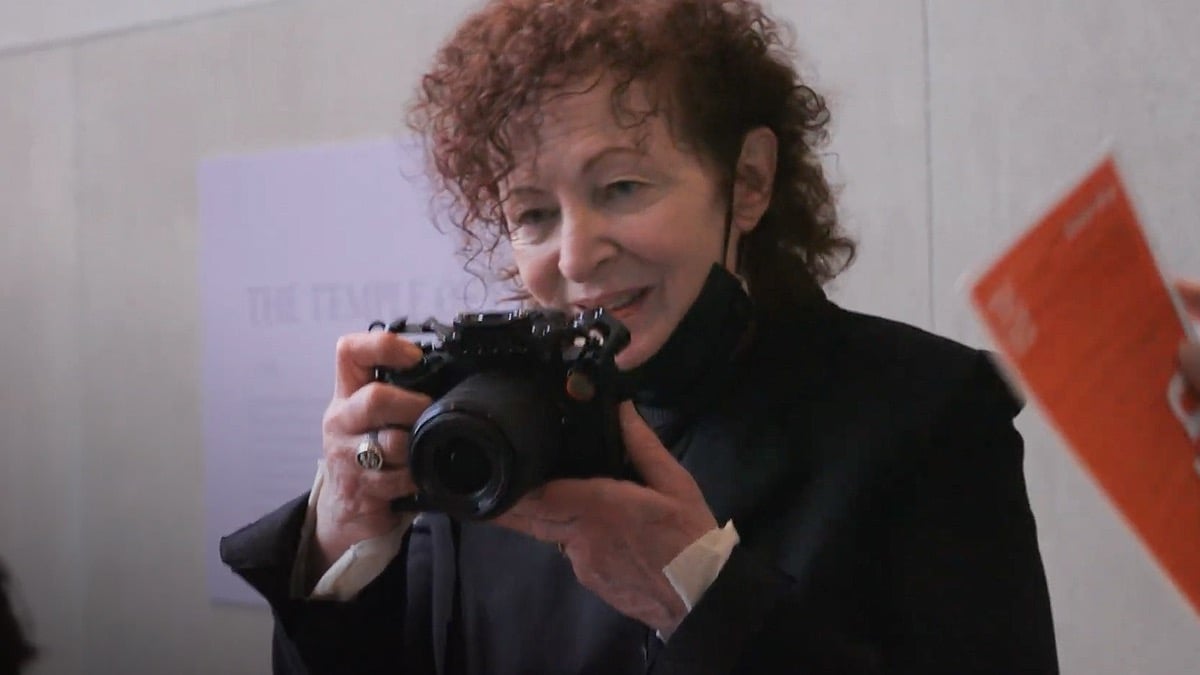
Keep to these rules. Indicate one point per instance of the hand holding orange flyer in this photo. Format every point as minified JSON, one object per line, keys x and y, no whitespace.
{"x":1080,"y":311}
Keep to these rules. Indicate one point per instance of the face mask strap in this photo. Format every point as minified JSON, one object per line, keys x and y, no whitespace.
{"x":737,"y":262}
{"x":728,"y":230}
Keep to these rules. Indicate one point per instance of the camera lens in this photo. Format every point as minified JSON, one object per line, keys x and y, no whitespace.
{"x":462,"y":467}
{"x":460,"y":459}
{"x":485,"y":443}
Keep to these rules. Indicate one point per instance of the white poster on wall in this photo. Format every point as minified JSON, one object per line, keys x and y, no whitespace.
{"x":299,"y":247}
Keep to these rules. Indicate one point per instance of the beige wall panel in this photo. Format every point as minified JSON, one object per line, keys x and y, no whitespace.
{"x":40,"y":428}
{"x":1024,"y":96}
{"x":151,"y":106}
{"x":868,"y":58}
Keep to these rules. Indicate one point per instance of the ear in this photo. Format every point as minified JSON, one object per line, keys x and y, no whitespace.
{"x":754,"y":178}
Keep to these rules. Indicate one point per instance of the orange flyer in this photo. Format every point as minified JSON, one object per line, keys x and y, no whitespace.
{"x":1080,"y":311}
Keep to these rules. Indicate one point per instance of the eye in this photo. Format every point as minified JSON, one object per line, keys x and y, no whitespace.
{"x":622,"y":188}
{"x":536,"y":217}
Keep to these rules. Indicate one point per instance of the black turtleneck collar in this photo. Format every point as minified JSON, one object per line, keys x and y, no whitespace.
{"x":704,"y":352}
{"x":704,"y":341}
{"x":698,"y":358}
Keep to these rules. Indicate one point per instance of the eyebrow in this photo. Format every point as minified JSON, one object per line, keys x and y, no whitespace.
{"x":588,"y":166}
{"x":611,"y":150}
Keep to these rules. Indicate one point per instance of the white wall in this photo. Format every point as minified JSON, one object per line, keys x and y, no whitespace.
{"x":1021,"y":99}
{"x":954,"y":122}
{"x":41,"y":445}
{"x":25,"y":24}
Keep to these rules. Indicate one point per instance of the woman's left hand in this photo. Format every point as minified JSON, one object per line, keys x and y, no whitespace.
{"x":618,"y":534}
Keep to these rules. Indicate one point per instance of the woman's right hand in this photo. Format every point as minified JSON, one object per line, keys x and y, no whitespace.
{"x":354,"y":503}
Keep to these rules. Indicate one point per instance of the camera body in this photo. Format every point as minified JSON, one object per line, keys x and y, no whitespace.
{"x":520,"y":398}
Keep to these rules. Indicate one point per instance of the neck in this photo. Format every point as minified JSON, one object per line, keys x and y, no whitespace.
{"x":704,"y":344}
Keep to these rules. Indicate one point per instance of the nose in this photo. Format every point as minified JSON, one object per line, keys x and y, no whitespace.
{"x":585,"y":243}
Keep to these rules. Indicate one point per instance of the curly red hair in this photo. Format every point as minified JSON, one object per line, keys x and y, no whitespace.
{"x":722,"y":67}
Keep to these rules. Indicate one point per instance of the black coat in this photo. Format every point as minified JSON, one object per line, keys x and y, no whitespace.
{"x":872,"y":471}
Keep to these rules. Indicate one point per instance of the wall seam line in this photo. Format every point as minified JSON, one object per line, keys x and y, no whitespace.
{"x":929,"y":201}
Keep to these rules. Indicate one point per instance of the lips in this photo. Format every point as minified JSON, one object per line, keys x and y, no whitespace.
{"x":613,"y":302}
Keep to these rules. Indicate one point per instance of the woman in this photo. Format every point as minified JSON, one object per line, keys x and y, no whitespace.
{"x":822,"y":491}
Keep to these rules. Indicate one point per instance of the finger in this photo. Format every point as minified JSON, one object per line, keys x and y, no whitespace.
{"x":347,"y":426}
{"x":378,"y":405}
{"x":540,"y":529}
{"x":566,"y":499}
{"x":1189,"y":362}
{"x":342,"y":451}
{"x":359,"y":353}
{"x":387,"y":484}
{"x":395,"y":447}
{"x":394,"y":444}
{"x":653,"y":462}
{"x":1189,"y":292}
{"x":353,"y":481}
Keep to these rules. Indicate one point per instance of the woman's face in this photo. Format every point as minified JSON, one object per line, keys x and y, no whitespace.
{"x":598,"y":218}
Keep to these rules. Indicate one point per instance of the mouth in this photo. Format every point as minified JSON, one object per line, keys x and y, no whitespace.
{"x":619,"y":305}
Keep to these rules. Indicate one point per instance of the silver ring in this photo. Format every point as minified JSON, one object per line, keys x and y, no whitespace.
{"x":370,"y":452}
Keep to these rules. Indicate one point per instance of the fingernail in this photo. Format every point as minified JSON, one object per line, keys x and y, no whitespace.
{"x":414,"y":351}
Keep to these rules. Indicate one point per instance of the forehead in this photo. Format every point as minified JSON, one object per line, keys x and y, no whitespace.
{"x":572,"y":122}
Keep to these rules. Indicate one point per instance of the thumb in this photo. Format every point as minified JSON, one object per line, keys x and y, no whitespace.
{"x":653,"y":462}
{"x":1189,"y":293}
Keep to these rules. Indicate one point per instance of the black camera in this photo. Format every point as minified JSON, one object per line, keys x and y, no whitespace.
{"x":520,"y":398}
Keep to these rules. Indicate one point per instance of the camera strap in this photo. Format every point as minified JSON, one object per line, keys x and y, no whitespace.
{"x":455,"y":638}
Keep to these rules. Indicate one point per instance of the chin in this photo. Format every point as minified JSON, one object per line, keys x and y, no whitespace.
{"x":626,"y":362}
{"x":637,"y":353}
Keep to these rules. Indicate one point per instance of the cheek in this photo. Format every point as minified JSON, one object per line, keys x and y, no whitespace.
{"x":687,"y":253}
{"x":539,"y":273}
